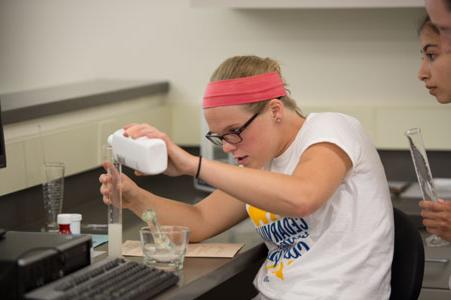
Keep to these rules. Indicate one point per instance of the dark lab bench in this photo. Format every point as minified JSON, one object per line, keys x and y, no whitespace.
{"x":437,"y":267}
{"x":203,"y":278}
{"x":206,"y":278}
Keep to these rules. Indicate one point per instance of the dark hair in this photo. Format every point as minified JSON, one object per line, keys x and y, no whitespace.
{"x":448,"y":5}
{"x":427,"y":23}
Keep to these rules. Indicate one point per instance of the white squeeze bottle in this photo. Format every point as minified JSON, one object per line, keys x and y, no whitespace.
{"x":148,"y":156}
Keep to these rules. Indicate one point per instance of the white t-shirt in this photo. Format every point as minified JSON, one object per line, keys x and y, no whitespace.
{"x":344,"y":249}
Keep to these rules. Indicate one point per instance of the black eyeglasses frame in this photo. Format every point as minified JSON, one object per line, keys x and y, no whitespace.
{"x":217,"y":139}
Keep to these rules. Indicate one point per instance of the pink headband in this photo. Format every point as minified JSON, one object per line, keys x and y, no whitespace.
{"x":244,"y":90}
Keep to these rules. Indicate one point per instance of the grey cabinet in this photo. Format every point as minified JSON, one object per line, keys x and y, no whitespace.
{"x":437,"y":272}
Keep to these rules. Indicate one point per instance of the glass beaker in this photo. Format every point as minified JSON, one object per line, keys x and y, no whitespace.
{"x":167,"y":255}
{"x":424,"y":176}
{"x":115,"y":207}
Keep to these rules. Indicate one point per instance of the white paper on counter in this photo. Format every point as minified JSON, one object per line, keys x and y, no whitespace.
{"x":223,"y":250}
{"x":212,"y":250}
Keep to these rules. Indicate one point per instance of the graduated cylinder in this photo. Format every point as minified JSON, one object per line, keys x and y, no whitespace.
{"x":115,"y":208}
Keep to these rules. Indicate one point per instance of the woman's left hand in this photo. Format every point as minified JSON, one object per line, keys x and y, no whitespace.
{"x":437,"y":217}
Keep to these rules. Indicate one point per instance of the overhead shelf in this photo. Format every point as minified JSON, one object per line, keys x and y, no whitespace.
{"x":31,"y":104}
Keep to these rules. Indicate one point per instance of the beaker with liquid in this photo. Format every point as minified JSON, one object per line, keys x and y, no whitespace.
{"x":163,"y":246}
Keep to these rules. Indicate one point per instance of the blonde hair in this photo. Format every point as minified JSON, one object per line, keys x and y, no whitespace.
{"x":250,"y":65}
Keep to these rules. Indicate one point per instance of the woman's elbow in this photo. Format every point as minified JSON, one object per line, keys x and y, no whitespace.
{"x":309,"y":203}
{"x":196,"y":239}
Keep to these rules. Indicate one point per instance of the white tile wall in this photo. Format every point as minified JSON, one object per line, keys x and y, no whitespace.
{"x":386,"y":124}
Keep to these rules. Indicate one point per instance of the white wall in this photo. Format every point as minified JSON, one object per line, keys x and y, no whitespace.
{"x":331,"y":58}
{"x":75,"y":138}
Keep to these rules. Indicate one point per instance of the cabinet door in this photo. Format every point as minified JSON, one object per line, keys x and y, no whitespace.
{"x":434,"y":294}
{"x":437,"y":268}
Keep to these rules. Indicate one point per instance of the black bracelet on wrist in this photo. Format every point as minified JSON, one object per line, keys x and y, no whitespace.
{"x":198,"y":166}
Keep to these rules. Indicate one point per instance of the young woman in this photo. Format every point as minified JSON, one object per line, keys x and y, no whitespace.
{"x":435,"y":71}
{"x":313,"y":186}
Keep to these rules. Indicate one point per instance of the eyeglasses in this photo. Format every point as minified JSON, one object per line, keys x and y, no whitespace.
{"x":231,"y":137}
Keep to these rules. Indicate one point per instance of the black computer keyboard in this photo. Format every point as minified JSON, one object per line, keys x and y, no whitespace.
{"x":108,"y":279}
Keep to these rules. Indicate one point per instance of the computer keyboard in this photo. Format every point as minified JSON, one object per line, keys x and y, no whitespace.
{"x":108,"y":279}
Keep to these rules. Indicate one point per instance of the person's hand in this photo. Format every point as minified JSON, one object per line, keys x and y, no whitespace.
{"x":180,"y":162}
{"x":127,"y":186}
{"x":437,"y":217}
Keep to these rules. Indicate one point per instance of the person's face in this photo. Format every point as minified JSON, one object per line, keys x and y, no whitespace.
{"x":435,"y":69}
{"x":441,"y":17}
{"x":256,"y":148}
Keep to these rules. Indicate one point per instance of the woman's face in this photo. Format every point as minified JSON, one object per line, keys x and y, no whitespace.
{"x":257,"y":148}
{"x":435,"y":68}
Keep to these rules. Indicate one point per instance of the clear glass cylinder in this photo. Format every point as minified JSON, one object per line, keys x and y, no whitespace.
{"x":424,"y":176}
{"x":421,"y":163}
{"x":115,"y":207}
{"x":53,"y":193}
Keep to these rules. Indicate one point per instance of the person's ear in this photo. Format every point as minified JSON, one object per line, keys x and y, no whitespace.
{"x":276,"y":109}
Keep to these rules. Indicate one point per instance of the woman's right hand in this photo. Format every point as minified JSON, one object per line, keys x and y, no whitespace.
{"x":180,"y":162}
{"x":128,"y":187}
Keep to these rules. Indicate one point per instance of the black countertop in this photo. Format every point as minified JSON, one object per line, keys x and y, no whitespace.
{"x":201,"y":278}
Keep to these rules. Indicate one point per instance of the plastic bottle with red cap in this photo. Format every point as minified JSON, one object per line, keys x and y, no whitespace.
{"x":64,"y":221}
